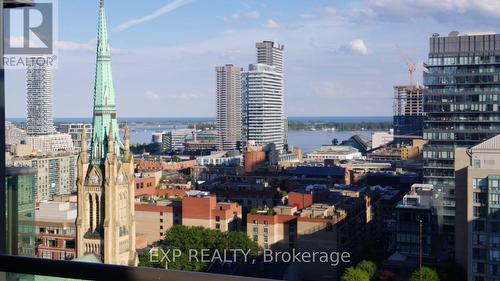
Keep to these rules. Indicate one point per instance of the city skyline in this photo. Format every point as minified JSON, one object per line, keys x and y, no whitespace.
{"x":330,"y":46}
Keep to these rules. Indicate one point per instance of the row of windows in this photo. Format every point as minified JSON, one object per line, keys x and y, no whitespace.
{"x":463,"y":107}
{"x":484,"y":183}
{"x":437,"y":154}
{"x":446,"y":80}
{"x":461,"y":98}
{"x":464,"y":69}
{"x":479,"y":267}
{"x":463,"y":60}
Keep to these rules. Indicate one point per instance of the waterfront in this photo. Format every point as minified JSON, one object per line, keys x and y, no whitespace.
{"x":310,"y":140}
{"x":307,"y":140}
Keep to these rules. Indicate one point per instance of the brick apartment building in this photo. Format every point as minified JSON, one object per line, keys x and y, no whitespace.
{"x":56,"y":230}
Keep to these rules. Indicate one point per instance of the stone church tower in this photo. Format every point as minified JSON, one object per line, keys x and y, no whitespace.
{"x":105,"y":181}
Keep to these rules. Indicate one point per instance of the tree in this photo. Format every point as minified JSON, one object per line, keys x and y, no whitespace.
{"x":424,"y":274}
{"x":195,"y":239}
{"x":354,"y":274}
{"x":369,"y":267}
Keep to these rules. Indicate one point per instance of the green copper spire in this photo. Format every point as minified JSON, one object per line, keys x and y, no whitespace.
{"x":104,"y":98}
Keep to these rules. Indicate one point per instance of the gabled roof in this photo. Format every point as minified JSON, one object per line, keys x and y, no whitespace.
{"x":491,"y":144}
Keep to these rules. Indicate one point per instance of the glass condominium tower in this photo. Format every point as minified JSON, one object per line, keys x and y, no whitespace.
{"x":461,"y":103}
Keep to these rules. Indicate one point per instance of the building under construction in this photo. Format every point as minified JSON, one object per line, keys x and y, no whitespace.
{"x":408,"y":113}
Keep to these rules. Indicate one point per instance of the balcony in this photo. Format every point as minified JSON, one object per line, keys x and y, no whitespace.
{"x":97,"y":271}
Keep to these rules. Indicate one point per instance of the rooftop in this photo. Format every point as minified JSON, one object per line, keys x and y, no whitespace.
{"x":56,"y":211}
{"x":420,"y":196}
{"x":317,"y":171}
{"x":337,"y":149}
{"x":490,"y":144}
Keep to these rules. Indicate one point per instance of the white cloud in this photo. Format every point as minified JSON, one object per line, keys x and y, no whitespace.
{"x":90,"y":46}
{"x":187,"y":96}
{"x":356,"y":46}
{"x":329,"y":10}
{"x":271,"y":24}
{"x":253,"y":14}
{"x":235,"y":16}
{"x":163,"y":10}
{"x":307,"y":16}
{"x":239,"y":15}
{"x":76,"y":46}
{"x":440,"y":10}
{"x":180,"y":96}
{"x":152,"y":96}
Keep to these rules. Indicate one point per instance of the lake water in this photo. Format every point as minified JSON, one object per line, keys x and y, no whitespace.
{"x":307,"y":140}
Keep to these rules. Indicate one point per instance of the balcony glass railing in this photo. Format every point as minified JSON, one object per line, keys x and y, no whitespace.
{"x":23,"y":268}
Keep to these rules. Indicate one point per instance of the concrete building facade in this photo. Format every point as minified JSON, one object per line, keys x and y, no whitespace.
{"x":263,"y":106}
{"x":13,"y":134}
{"x":56,"y":230}
{"x":477,"y":186}
{"x":75,"y":131}
{"x":40,"y":110}
{"x":56,"y":173}
{"x":228,"y":106}
{"x":270,"y":53}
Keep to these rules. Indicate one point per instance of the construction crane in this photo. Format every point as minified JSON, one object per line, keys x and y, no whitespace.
{"x":412,"y":66}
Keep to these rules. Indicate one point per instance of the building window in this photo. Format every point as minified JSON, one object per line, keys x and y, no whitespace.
{"x":217,"y":218}
{"x":478,"y":267}
{"x":255,"y":238}
{"x":479,"y":212}
{"x":161,"y":234}
{"x":479,"y":225}
{"x":161,"y":220}
{"x":47,"y":255}
{"x":217,"y":226}
{"x":70,"y":244}
{"x":52,"y":243}
{"x":495,"y":199}
{"x":494,"y":184}
{"x":479,"y":183}
{"x":477,"y":164}
{"x":161,"y":226}
{"x":495,"y":255}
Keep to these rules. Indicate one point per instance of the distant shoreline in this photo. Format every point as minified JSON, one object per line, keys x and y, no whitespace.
{"x":297,"y":124}
{"x":184,"y":120}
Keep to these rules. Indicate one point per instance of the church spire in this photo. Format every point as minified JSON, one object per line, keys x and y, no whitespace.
{"x":104,"y":97}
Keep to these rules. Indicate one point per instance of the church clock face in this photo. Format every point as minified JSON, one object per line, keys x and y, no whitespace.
{"x":94,"y":179}
{"x":121,"y":178}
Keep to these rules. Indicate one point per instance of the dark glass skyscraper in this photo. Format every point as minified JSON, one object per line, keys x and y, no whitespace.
{"x":461,"y":103}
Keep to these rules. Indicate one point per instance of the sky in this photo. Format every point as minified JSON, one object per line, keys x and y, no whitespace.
{"x":340,"y":55}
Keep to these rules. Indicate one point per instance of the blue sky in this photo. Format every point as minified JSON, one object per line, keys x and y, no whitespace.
{"x":340,"y":56}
